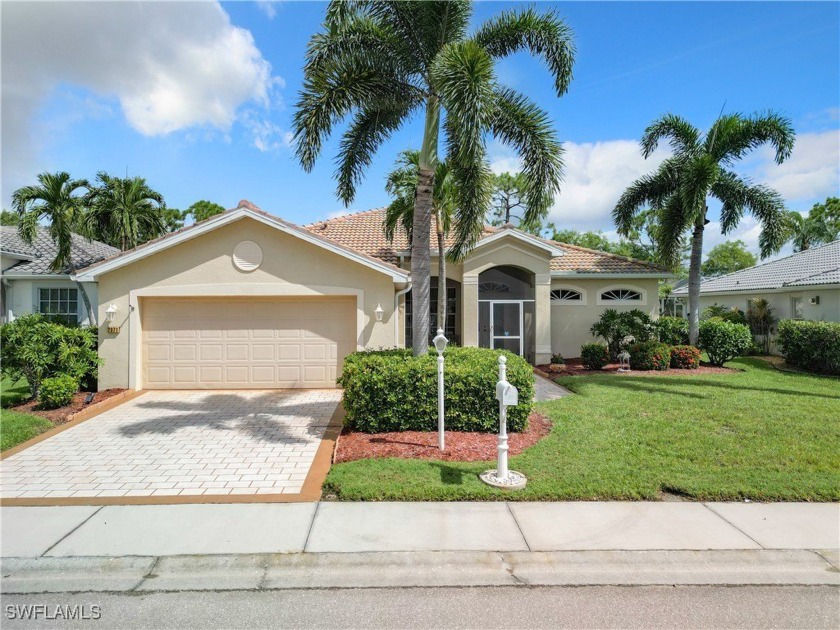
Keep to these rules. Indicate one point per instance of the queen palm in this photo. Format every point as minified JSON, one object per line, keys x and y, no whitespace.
{"x":381,"y":63}
{"x":402,"y":185}
{"x":124,"y":212}
{"x":700,"y":168}
{"x":55,"y":198}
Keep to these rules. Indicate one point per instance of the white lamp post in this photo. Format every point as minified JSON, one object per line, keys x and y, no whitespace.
{"x":440,"y":345}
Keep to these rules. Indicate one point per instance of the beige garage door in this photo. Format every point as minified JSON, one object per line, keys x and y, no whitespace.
{"x":254,"y":343}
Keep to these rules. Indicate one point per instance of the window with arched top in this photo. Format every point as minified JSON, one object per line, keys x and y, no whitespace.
{"x":621,"y":295}
{"x":566,"y":295}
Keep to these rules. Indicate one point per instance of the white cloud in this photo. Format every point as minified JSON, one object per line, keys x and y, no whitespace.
{"x":170,"y":65}
{"x":269,"y":7}
{"x":811,"y":174}
{"x":596,"y":174}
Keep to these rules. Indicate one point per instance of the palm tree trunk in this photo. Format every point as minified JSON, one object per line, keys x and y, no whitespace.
{"x":441,"y":303}
{"x":694,"y":280}
{"x":91,"y":315}
{"x":421,"y":262}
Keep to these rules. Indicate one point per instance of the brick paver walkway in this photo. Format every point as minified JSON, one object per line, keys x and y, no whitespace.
{"x":184,"y":443}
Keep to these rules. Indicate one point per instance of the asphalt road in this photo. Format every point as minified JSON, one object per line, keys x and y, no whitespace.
{"x":500,"y":607}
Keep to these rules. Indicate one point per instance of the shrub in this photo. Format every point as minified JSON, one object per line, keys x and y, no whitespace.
{"x":650,"y":355}
{"x":34,"y":348}
{"x":594,"y":356}
{"x":57,"y":391}
{"x":762,"y":321}
{"x":391,"y":390}
{"x":620,"y":329}
{"x":557,"y":358}
{"x":723,"y":340}
{"x":813,"y":346}
{"x":733,"y":314}
{"x":685,"y":357}
{"x":672,"y":330}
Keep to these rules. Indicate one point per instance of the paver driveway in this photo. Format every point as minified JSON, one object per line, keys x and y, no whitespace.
{"x":180,"y":443}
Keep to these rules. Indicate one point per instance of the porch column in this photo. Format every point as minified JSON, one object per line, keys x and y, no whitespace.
{"x":542,"y":313}
{"x":469,"y":310}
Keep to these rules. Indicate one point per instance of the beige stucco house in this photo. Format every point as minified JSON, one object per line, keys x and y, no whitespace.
{"x":247,"y":300}
{"x":804,"y":285}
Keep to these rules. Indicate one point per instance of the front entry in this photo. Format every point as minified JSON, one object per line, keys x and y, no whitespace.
{"x":501,"y":322}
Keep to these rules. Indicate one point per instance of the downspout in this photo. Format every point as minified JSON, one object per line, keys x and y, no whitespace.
{"x":397,"y":297}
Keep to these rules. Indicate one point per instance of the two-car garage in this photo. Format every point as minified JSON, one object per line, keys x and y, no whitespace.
{"x":245,"y":343}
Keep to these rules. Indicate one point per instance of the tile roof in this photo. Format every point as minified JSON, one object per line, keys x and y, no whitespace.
{"x":83,"y":252}
{"x":818,"y":265}
{"x":362,"y":231}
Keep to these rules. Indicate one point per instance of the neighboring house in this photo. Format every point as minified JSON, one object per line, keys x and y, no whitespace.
{"x":805,"y":285}
{"x":29,"y":286}
{"x":248,"y":300}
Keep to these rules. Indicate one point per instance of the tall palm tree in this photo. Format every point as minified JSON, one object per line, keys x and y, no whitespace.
{"x":55,"y":198}
{"x":699,"y":168}
{"x":385,"y":61}
{"x":402,"y":185}
{"x":124,"y":212}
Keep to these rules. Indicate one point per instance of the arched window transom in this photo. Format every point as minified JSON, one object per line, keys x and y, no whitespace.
{"x":621,"y":295}
{"x":566,"y":295}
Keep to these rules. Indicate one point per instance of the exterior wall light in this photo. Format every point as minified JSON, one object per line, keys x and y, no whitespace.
{"x":110,"y":313}
{"x":379,"y":312}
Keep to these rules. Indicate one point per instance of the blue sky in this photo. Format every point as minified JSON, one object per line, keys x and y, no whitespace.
{"x":200,"y":100}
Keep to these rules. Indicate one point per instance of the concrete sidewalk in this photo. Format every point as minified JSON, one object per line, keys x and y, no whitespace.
{"x":175,"y":547}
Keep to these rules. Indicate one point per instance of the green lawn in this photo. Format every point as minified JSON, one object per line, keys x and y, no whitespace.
{"x":760,"y":434}
{"x":17,"y":427}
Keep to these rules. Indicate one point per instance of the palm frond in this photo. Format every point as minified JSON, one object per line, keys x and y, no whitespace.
{"x":543,"y":34}
{"x":738,"y":135}
{"x":399,"y":213}
{"x":682,"y":135}
{"x":366,"y":133}
{"x":648,"y":190}
{"x":521,"y":124}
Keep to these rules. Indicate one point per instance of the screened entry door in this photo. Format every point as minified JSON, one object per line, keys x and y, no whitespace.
{"x":501,"y":325}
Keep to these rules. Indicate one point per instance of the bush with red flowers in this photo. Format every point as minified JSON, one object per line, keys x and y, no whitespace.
{"x":685,"y":357}
{"x":650,"y":355}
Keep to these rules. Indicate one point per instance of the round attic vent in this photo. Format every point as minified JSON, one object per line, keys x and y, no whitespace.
{"x":247,"y":256}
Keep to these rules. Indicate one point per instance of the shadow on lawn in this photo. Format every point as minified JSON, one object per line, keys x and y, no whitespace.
{"x":688,"y":387}
{"x":449,"y":475}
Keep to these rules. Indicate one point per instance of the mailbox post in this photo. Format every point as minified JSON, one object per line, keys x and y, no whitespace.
{"x":507,"y":395}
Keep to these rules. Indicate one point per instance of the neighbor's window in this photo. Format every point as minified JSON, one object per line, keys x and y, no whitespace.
{"x":59,"y":305}
{"x":566,"y":295}
{"x":621,"y":295}
{"x":796,"y":308}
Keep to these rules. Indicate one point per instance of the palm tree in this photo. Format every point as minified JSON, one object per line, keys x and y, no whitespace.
{"x":383,"y":62}
{"x":701,"y":168}
{"x":402,"y":185}
{"x":124,"y":212}
{"x":56,"y":199}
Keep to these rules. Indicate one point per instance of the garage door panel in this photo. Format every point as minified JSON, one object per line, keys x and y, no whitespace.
{"x":245,"y":343}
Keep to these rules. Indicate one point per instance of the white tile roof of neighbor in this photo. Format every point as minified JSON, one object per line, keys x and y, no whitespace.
{"x":42,"y":252}
{"x":815,"y":266}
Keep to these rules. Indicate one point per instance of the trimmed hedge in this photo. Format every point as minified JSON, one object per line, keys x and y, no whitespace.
{"x":723,"y":340}
{"x":58,"y":391}
{"x":594,"y":356}
{"x":391,"y":390}
{"x":672,"y":330}
{"x":685,"y":357}
{"x":650,"y":355}
{"x":813,"y":346}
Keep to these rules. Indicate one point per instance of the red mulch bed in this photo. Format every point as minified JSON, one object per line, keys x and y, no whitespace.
{"x":573,"y":367}
{"x":60,"y":415}
{"x":460,"y":446}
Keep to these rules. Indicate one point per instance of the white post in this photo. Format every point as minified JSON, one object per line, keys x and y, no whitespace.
{"x":502,"y":463}
{"x":440,"y":401}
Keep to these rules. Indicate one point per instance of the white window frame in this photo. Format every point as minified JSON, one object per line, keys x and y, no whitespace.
{"x":568,"y":287}
{"x":36,"y":306}
{"x":793,"y":299}
{"x":622,"y":287}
